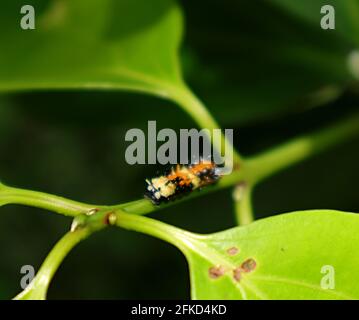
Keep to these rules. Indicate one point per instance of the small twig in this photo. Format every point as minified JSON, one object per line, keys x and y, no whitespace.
{"x":242,"y":201}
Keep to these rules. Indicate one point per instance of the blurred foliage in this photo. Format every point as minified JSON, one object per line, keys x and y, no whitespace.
{"x":262,"y":67}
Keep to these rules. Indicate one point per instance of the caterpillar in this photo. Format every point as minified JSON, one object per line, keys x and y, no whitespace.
{"x":181,"y":180}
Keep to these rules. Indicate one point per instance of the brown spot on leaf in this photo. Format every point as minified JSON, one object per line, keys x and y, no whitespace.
{"x":232,"y":251}
{"x":248,"y":265}
{"x":237,"y":274}
{"x":216,"y":272}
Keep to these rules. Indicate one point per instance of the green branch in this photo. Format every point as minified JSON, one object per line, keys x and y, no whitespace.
{"x":270,"y":162}
{"x":152,"y":227}
{"x":127,"y":216}
{"x":9,"y":195}
{"x":242,"y":196}
{"x":199,"y":113}
{"x":38,"y":287}
{"x":252,"y":171}
{"x":84,"y":227}
{"x":259,"y":167}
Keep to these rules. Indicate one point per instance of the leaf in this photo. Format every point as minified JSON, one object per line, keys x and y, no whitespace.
{"x":104,"y":44}
{"x":289,"y":252}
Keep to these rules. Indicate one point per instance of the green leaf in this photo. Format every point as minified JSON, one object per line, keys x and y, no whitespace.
{"x":283,"y":257}
{"x":289,"y":252}
{"x":107,"y":44}
{"x":103,"y":44}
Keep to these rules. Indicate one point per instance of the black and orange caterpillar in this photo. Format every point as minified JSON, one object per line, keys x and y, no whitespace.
{"x":181,"y":180}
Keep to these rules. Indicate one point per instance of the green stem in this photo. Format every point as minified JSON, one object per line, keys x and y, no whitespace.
{"x":242,"y":196}
{"x":155,"y":228}
{"x":37,"y":289}
{"x":126,"y":215}
{"x":252,"y":171}
{"x":199,"y":113}
{"x":268,"y":163}
{"x":9,"y":195}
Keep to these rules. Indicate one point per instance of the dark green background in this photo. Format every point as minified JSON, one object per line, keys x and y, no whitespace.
{"x":72,"y":144}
